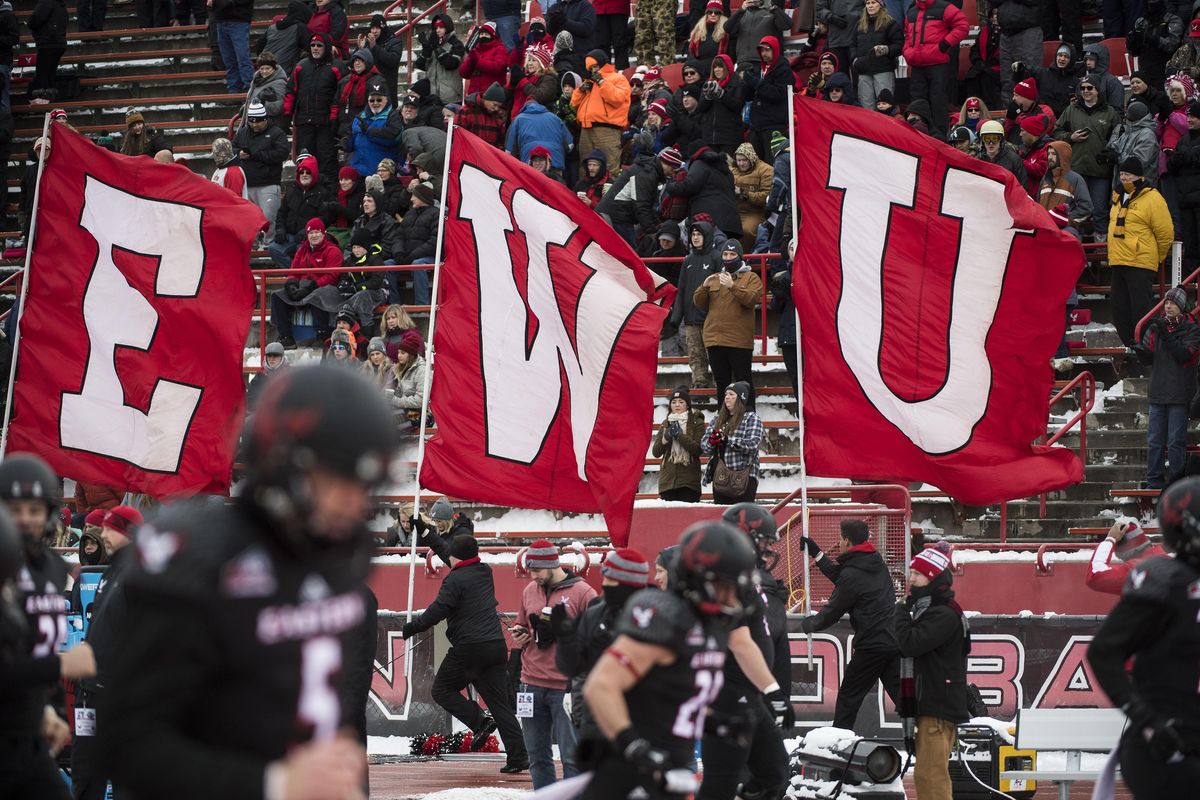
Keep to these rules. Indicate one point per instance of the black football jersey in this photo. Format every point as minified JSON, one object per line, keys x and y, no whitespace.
{"x":234,"y":649}
{"x":755,"y":619}
{"x":1166,"y":671}
{"x":668,"y":704}
{"x":30,"y":641}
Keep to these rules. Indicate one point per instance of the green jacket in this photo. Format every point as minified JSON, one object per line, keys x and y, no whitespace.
{"x":1099,"y":121}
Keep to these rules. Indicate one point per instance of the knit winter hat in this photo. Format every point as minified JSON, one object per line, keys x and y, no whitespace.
{"x":539,"y":152}
{"x":348,"y":172}
{"x":1027,"y":89}
{"x":1137,"y":110}
{"x":421,"y":88}
{"x":627,"y":566}
{"x":1194,"y":29}
{"x":123,"y":519}
{"x":741,"y":389}
{"x":495,"y":92}
{"x":1064,"y":48}
{"x":671,"y":156}
{"x":315,"y":224}
{"x":1133,"y":543}
{"x":930,"y":562}
{"x":886,"y":97}
{"x":376,"y":85}
{"x":133,"y":118}
{"x":256,"y":110}
{"x":58,"y":115}
{"x":95,"y":517}
{"x":658,"y":107}
{"x":1178,"y":296}
{"x":779,"y":143}
{"x":653,"y":74}
{"x":597,"y":55}
{"x":682,"y":393}
{"x":388,"y":164}
{"x":464,"y":547}
{"x":1035,"y":125}
{"x":1132,"y":165}
{"x":714,"y":5}
{"x":441,"y":510}
{"x":542,"y":554}
{"x":422,"y":191}
{"x":222,"y":150}
{"x":363,"y":238}
{"x":541,"y":52}
{"x":411,"y":343}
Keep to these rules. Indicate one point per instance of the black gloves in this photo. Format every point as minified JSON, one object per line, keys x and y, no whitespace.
{"x":1162,"y":736}
{"x":1013,"y":110}
{"x":563,"y":627}
{"x":944,"y":46}
{"x":307,"y":287}
{"x":292,"y":289}
{"x":810,"y":546}
{"x":409,"y":630}
{"x":280,"y":237}
{"x":641,"y":755}
{"x":375,"y":281}
{"x":737,"y":727}
{"x":781,"y":709}
{"x":543,"y":631}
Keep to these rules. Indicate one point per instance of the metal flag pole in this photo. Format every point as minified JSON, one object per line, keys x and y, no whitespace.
{"x":16,"y":342}
{"x":799,"y":369}
{"x":433,"y":308}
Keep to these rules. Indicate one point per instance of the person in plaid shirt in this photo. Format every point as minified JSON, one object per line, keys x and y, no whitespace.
{"x":734,"y":437}
{"x":483,"y":115}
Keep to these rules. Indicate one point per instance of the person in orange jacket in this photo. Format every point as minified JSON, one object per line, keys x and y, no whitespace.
{"x":601,"y":106}
{"x":1130,"y":544}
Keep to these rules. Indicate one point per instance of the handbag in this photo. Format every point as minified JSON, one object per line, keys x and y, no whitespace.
{"x":730,"y":482}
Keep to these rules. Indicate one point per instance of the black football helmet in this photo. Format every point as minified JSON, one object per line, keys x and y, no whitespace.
{"x":319,"y":416}
{"x":12,"y":555}
{"x":712,"y":553}
{"x":1179,"y":520}
{"x":24,"y":476}
{"x":758,"y":523}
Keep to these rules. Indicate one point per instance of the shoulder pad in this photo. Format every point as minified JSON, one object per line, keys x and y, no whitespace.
{"x":1155,"y":579}
{"x":656,"y":617}
{"x":179,"y":554}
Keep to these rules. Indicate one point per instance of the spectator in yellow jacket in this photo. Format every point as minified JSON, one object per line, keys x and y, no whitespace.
{"x":1140,"y":233}
{"x":601,"y":106}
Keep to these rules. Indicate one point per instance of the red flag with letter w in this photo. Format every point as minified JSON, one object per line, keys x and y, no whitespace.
{"x":129,"y":371}
{"x":931,"y":291}
{"x":546,"y":346}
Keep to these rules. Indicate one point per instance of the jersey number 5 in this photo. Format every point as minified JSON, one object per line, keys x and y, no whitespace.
{"x":689,"y":722}
{"x":319,"y":706}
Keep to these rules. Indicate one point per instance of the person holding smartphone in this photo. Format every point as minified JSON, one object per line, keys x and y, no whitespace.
{"x":1086,"y":124}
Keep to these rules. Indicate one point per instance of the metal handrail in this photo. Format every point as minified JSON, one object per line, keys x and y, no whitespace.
{"x":1137,"y":332}
{"x":1085,"y":383}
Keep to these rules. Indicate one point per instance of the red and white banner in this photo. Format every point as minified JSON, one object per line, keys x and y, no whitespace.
{"x":547,"y":346}
{"x":931,"y":291}
{"x":139,"y":301}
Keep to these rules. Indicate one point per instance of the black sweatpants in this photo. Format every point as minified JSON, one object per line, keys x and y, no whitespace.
{"x":483,"y":665}
{"x":729,"y":365}
{"x":27,"y":772}
{"x":45,"y":73}
{"x":726,"y":759}
{"x":89,"y":776}
{"x":865,"y":668}
{"x":1149,"y":778}
{"x":612,"y":37}
{"x":681,"y":495}
{"x":318,"y":141}
{"x":932,"y":84}
{"x":788,"y":349}
{"x":1132,"y":298}
{"x":1190,"y":234}
{"x":1061,"y":20}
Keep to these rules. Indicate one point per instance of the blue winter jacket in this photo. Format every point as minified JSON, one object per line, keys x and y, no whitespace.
{"x":536,"y":125}
{"x":374,"y":137}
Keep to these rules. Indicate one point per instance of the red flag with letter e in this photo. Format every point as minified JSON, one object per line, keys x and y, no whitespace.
{"x":129,"y":372}
{"x":546,"y":346}
{"x":931,"y":291}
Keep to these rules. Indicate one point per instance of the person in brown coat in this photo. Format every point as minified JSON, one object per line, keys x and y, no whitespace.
{"x":751,"y":184}
{"x":91,"y":496}
{"x":677,"y":443}
{"x":730,"y":297}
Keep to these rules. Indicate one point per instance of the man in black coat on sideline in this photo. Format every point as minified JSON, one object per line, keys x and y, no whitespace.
{"x":863,"y":587}
{"x":478,"y":654}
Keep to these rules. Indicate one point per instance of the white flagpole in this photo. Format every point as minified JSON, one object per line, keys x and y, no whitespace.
{"x":433,"y":308}
{"x":799,"y":368}
{"x":16,"y":342}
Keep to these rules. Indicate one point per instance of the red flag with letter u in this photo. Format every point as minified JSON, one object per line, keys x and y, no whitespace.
{"x":546,"y":346}
{"x":931,"y":291}
{"x":129,"y":372}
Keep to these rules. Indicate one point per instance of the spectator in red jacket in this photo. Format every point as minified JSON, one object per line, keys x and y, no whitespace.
{"x":1034,"y":144}
{"x":1025,"y":104}
{"x":612,"y":23}
{"x":303,"y":288}
{"x":486,"y":61}
{"x":1129,"y":543}
{"x":329,"y":18}
{"x":932,"y":31}
{"x":483,"y":115}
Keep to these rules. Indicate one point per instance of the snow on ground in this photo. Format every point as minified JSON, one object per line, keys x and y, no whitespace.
{"x":389,"y":745}
{"x":478,"y":793}
{"x":967,"y":556}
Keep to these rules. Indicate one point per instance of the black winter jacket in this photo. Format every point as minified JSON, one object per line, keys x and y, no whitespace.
{"x":311,"y":92}
{"x":865,"y":61}
{"x":1174,"y":347}
{"x":48,"y":23}
{"x":768,"y":95}
{"x":298,"y":207}
{"x":1184,"y":164}
{"x":1019,"y":15}
{"x":577,"y":17}
{"x":1008,"y":158}
{"x":1154,"y":42}
{"x":108,"y":616}
{"x":381,"y":227}
{"x":1055,"y":86}
{"x":862,"y":586}
{"x":698,"y":265}
{"x":416,"y":235}
{"x":467,"y":600}
{"x":720,"y":118}
{"x":288,"y":39}
{"x":938,"y":644}
{"x":233,"y":10}
{"x":268,"y":150}
{"x":638,"y":212}
{"x":10,"y":32}
{"x":709,"y":189}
